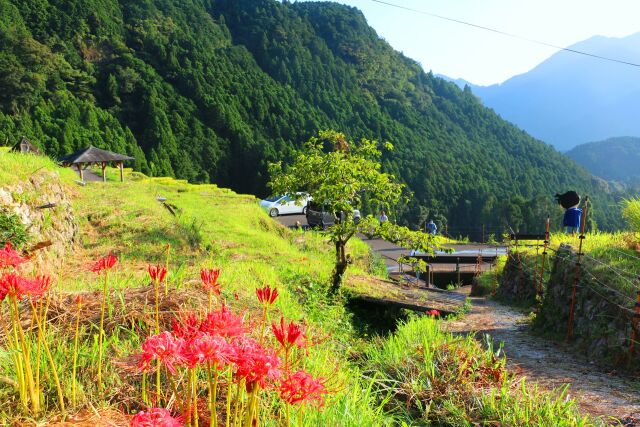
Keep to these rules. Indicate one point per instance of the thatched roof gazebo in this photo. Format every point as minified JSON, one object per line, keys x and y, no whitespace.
{"x":95,"y":156}
{"x":26,"y":146}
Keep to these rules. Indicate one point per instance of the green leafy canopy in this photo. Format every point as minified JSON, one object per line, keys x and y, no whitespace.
{"x":338,"y":174}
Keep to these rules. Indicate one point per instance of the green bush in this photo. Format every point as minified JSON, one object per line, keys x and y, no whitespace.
{"x":12,"y":230}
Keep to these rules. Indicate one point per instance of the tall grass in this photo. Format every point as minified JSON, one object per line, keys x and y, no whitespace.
{"x":435,"y":378}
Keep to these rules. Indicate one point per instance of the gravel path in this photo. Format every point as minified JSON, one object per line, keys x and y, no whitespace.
{"x":551,"y":365}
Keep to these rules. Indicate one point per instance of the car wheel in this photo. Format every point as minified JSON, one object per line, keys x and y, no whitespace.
{"x":273,"y":213}
{"x":304,"y":211}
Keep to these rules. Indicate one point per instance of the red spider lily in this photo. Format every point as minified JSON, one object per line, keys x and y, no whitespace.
{"x":163,"y":347}
{"x":105,"y":263}
{"x":206,"y":349}
{"x":157,"y":273}
{"x":210,"y":280}
{"x":267,"y":295}
{"x":254,"y":363}
{"x":39,"y":286}
{"x":288,"y":335}
{"x":433,"y":313}
{"x":301,"y":387}
{"x":222,"y":322}
{"x":155,"y":417}
{"x":10,"y":258}
{"x":11,"y":284}
{"x":186,"y":325}
{"x":79,"y":299}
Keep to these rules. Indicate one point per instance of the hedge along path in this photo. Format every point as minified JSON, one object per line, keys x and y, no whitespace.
{"x":551,"y":365}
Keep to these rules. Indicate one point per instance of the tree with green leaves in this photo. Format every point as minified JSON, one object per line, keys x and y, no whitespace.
{"x":338,"y":173}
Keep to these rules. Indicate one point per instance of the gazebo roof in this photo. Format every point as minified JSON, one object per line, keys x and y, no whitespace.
{"x":92,"y":154}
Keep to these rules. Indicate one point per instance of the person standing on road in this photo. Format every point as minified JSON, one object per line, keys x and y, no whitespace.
{"x":432,"y":228}
{"x":383,"y":217}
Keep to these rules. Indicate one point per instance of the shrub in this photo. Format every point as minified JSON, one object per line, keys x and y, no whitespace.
{"x":12,"y":230}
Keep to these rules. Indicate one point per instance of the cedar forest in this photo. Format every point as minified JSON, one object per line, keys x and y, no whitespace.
{"x":212,"y":91}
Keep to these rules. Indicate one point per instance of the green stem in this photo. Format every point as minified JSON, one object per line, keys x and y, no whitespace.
{"x":229,"y":379}
{"x":33,"y":393}
{"x":54,"y":370}
{"x":101,"y":333}
{"x":14,"y":347}
{"x":195,"y":397}
{"x":75,"y":359}
{"x":144,"y":389}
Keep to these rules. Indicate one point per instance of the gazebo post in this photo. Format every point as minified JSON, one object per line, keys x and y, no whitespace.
{"x":79,"y":166}
{"x":104,"y":171}
{"x":121,"y":166}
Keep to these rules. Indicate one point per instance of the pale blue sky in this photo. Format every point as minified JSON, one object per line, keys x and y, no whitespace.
{"x":485,"y":58}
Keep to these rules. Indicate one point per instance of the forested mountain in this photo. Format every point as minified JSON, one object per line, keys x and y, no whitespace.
{"x":213,"y":90}
{"x":569,"y":98}
{"x":615,"y":159}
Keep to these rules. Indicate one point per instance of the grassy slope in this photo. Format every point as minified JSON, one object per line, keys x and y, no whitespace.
{"x":216,"y":227}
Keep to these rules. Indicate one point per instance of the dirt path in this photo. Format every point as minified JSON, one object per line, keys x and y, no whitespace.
{"x":597,"y":391}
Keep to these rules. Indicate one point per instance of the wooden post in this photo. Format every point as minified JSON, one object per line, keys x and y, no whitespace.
{"x":121,"y":166}
{"x":577,"y":273}
{"x":103,"y":165}
{"x":79,"y":166}
{"x":544,"y":257}
{"x":458,"y":270}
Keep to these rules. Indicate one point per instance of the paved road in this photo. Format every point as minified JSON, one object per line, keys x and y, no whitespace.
{"x":390,"y":252}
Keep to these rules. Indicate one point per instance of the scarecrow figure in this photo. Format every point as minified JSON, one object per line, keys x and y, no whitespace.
{"x":572,"y":214}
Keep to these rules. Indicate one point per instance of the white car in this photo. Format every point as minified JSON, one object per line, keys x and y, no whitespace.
{"x":285,"y":205}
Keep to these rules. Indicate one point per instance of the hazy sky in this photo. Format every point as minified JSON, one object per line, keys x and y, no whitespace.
{"x":482,"y":57}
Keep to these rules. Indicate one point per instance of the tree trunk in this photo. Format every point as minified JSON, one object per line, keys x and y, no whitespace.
{"x":341,"y":267}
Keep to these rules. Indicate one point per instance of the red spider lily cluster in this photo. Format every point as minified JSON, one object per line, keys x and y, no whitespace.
{"x":10,"y":258}
{"x":104,"y":264}
{"x":220,"y":343}
{"x":157,"y":272}
{"x":209,"y":279}
{"x":16,"y":288}
{"x":266,"y":295}
{"x":155,"y":417}
{"x":433,"y":313}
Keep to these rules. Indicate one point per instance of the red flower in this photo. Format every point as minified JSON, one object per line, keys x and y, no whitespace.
{"x":210,"y":280}
{"x":14,"y":285}
{"x":288,"y":336}
{"x":157,"y":273}
{"x":433,"y":313}
{"x":105,"y":263}
{"x":223,"y":322}
{"x":79,"y":300}
{"x":254,"y":363}
{"x":186,"y":326}
{"x":267,"y":295}
{"x":10,"y":258}
{"x":302,"y":387}
{"x":39,"y":286}
{"x":155,"y":417}
{"x":206,"y":349}
{"x":163,"y":347}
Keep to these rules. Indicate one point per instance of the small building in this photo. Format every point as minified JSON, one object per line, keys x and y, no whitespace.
{"x":95,"y":156}
{"x":26,"y":146}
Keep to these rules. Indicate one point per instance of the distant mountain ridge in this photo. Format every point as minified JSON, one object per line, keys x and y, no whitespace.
{"x":571,"y":98}
{"x":614,"y":159}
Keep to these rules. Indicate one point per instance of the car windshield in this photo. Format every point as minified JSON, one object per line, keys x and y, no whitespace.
{"x":273,"y":198}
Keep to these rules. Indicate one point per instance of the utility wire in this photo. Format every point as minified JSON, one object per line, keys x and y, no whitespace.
{"x":504,"y":33}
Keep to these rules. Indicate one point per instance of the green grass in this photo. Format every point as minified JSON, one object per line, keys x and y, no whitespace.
{"x":18,"y":167}
{"x":436,"y":378}
{"x":217,"y":228}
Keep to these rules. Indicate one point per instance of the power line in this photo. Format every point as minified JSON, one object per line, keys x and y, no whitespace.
{"x":504,"y":33}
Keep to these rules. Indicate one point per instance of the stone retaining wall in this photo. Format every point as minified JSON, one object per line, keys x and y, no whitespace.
{"x":56,"y":224}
